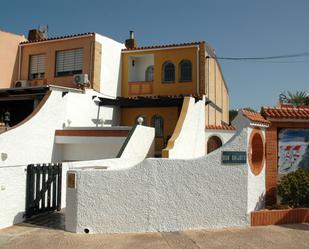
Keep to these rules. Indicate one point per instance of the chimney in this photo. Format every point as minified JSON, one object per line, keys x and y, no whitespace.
{"x":35,"y":34}
{"x":131,"y":42}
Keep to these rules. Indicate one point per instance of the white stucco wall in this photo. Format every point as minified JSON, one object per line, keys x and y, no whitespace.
{"x":224,"y":135}
{"x":162,"y":195}
{"x":191,"y":140}
{"x":138,"y":71}
{"x":33,"y":141}
{"x":140,"y":144}
{"x":13,"y":193}
{"x":82,"y":110}
{"x":89,"y":150}
{"x":110,"y":83}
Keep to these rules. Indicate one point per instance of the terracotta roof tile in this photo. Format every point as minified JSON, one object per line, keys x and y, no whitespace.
{"x":255,"y":117}
{"x":220,"y":127}
{"x":198,"y":96}
{"x":164,"y":46}
{"x":285,"y":112}
{"x":59,"y":37}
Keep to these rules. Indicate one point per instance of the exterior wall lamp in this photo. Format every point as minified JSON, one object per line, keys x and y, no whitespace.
{"x":140,"y":120}
{"x":7,"y":119}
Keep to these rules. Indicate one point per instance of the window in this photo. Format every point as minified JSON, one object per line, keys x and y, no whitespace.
{"x":157,"y":123}
{"x":149,"y":73}
{"x":69,"y":62}
{"x":213,"y":143}
{"x":37,"y":66}
{"x":168,"y":72}
{"x":185,"y":68}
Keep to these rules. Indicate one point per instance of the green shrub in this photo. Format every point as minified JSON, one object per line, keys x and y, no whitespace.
{"x":294,"y":188}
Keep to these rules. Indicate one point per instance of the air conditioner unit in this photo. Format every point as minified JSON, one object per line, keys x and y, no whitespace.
{"x":22,"y":83}
{"x":81,"y":79}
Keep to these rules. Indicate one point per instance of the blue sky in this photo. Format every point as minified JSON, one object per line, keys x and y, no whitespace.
{"x":238,"y":28}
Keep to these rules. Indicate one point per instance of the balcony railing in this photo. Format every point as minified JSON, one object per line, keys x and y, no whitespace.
{"x":140,"y":87}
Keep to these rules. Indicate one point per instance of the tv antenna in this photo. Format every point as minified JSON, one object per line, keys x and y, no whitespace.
{"x":44,"y":30}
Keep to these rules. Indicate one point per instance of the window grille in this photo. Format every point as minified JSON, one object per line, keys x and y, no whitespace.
{"x":185,"y":70}
{"x":168,"y":72}
{"x":158,"y":124}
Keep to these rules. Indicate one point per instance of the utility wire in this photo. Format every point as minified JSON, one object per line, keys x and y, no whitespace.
{"x":304,"y":54}
{"x":277,"y":62}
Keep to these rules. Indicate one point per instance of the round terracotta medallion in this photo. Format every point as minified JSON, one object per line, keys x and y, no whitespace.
{"x":256,"y":151}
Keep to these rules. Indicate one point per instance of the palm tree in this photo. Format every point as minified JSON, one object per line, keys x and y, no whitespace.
{"x":297,"y":99}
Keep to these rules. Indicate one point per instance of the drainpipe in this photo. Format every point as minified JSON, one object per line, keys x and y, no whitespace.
{"x":19,"y":62}
{"x":198,"y":70}
{"x":91,"y":64}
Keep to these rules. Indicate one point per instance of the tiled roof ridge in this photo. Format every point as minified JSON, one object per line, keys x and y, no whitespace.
{"x":255,"y":117}
{"x":302,"y":107}
{"x":165,"y":46}
{"x":59,"y":37}
{"x":220,"y":127}
{"x":163,"y":96}
{"x":285,"y":112}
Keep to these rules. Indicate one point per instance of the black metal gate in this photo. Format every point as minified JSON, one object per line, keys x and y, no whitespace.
{"x":43,"y":191}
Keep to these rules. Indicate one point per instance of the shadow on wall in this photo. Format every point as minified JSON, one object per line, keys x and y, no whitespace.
{"x":56,"y":156}
{"x":15,"y":75}
{"x":271,"y":195}
{"x":19,"y":218}
{"x":261,"y":203}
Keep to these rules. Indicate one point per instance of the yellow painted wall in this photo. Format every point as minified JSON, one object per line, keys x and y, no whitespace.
{"x":217,"y":92}
{"x":215,"y":88}
{"x":50,"y":48}
{"x":9,"y":58}
{"x":160,"y":56}
{"x":169,"y":115}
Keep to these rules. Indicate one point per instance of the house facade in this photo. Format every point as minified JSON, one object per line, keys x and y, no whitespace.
{"x":9,"y":59}
{"x":151,"y":82}
{"x":172,"y":71}
{"x":56,"y":61}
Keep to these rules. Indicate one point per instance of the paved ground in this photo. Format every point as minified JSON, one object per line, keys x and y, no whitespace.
{"x":40,"y":233}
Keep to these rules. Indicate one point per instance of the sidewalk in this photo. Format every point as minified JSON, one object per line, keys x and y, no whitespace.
{"x":27,"y":236}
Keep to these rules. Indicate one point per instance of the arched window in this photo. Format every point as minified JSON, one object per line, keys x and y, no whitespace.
{"x":213,"y":143}
{"x":185,"y":70}
{"x":149,"y":73}
{"x":158,"y":124}
{"x":168,"y":72}
{"x":144,"y":119}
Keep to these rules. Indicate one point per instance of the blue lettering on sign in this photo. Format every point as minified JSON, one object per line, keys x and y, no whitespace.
{"x":234,"y":157}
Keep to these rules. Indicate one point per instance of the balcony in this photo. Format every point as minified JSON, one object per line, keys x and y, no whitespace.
{"x":141,"y":74}
{"x":141,"y":88}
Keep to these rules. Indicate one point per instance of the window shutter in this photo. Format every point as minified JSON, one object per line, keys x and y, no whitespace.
{"x":69,"y":60}
{"x":37,"y":64}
